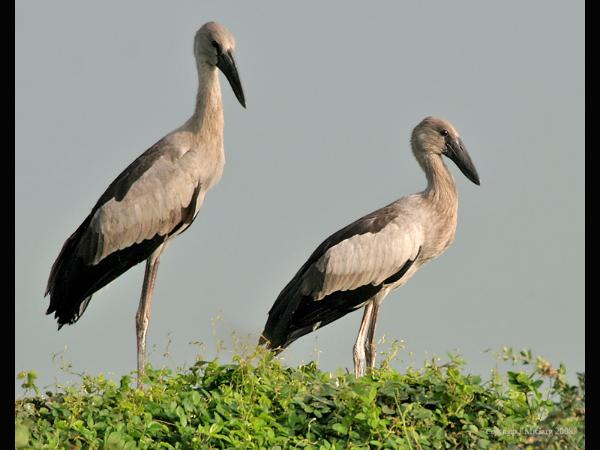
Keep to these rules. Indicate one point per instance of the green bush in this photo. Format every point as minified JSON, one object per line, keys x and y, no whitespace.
{"x":256,"y":402}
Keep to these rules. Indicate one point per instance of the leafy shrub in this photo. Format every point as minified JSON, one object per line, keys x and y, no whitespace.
{"x":256,"y":402}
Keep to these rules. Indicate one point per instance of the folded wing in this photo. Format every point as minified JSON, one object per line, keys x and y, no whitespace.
{"x":345,"y":271}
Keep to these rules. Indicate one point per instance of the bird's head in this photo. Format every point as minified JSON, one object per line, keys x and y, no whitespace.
{"x":434,"y":136}
{"x":214,"y":45}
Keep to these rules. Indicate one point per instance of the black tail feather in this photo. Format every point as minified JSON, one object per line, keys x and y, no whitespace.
{"x":73,"y":281}
{"x":304,"y":314}
{"x":280,"y":315}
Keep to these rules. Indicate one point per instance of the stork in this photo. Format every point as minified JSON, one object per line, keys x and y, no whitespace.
{"x":156,"y":198}
{"x":359,"y":265}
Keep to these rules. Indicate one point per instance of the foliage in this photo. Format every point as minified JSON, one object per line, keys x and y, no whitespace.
{"x":256,"y":402}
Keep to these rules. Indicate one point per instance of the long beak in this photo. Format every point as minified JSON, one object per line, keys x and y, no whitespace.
{"x":455,"y":150}
{"x":226,"y":63}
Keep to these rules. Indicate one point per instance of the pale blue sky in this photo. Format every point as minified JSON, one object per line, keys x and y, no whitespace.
{"x":333,"y":91}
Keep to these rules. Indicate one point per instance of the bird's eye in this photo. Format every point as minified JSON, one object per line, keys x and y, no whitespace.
{"x":444,"y":133}
{"x":216,"y":45}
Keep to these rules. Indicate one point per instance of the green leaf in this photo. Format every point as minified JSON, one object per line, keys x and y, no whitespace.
{"x":21,"y":435}
{"x":114,"y":441}
{"x":196,"y":399}
{"x":340,"y":428}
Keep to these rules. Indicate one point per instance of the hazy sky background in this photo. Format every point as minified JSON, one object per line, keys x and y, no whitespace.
{"x":333,"y":91}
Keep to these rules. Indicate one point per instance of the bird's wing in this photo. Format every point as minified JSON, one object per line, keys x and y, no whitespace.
{"x":369,"y":258}
{"x":347,"y":269}
{"x":152,"y":197}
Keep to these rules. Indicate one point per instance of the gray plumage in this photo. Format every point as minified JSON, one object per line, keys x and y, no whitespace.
{"x":361,"y":263}
{"x":154,"y":199}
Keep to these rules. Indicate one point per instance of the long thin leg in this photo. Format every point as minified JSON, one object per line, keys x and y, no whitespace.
{"x":370,"y":344}
{"x":360,"y":344}
{"x":142,"y":318}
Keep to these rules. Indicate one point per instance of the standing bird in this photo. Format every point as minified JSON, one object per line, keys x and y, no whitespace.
{"x":361,"y":263}
{"x":153,"y":200}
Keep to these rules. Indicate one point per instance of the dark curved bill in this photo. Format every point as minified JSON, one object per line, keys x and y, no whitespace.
{"x":226,"y":64}
{"x":455,"y":150}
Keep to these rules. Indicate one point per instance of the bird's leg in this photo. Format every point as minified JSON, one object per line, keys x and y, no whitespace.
{"x":360,"y":344}
{"x":142,"y":318}
{"x":370,"y":344}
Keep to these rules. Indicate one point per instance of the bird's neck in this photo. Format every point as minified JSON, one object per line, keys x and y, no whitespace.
{"x":207,"y":120}
{"x":441,"y":189}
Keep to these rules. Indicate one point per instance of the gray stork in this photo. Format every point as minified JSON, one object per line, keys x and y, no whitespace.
{"x":154,"y":199}
{"x":363,"y":262}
